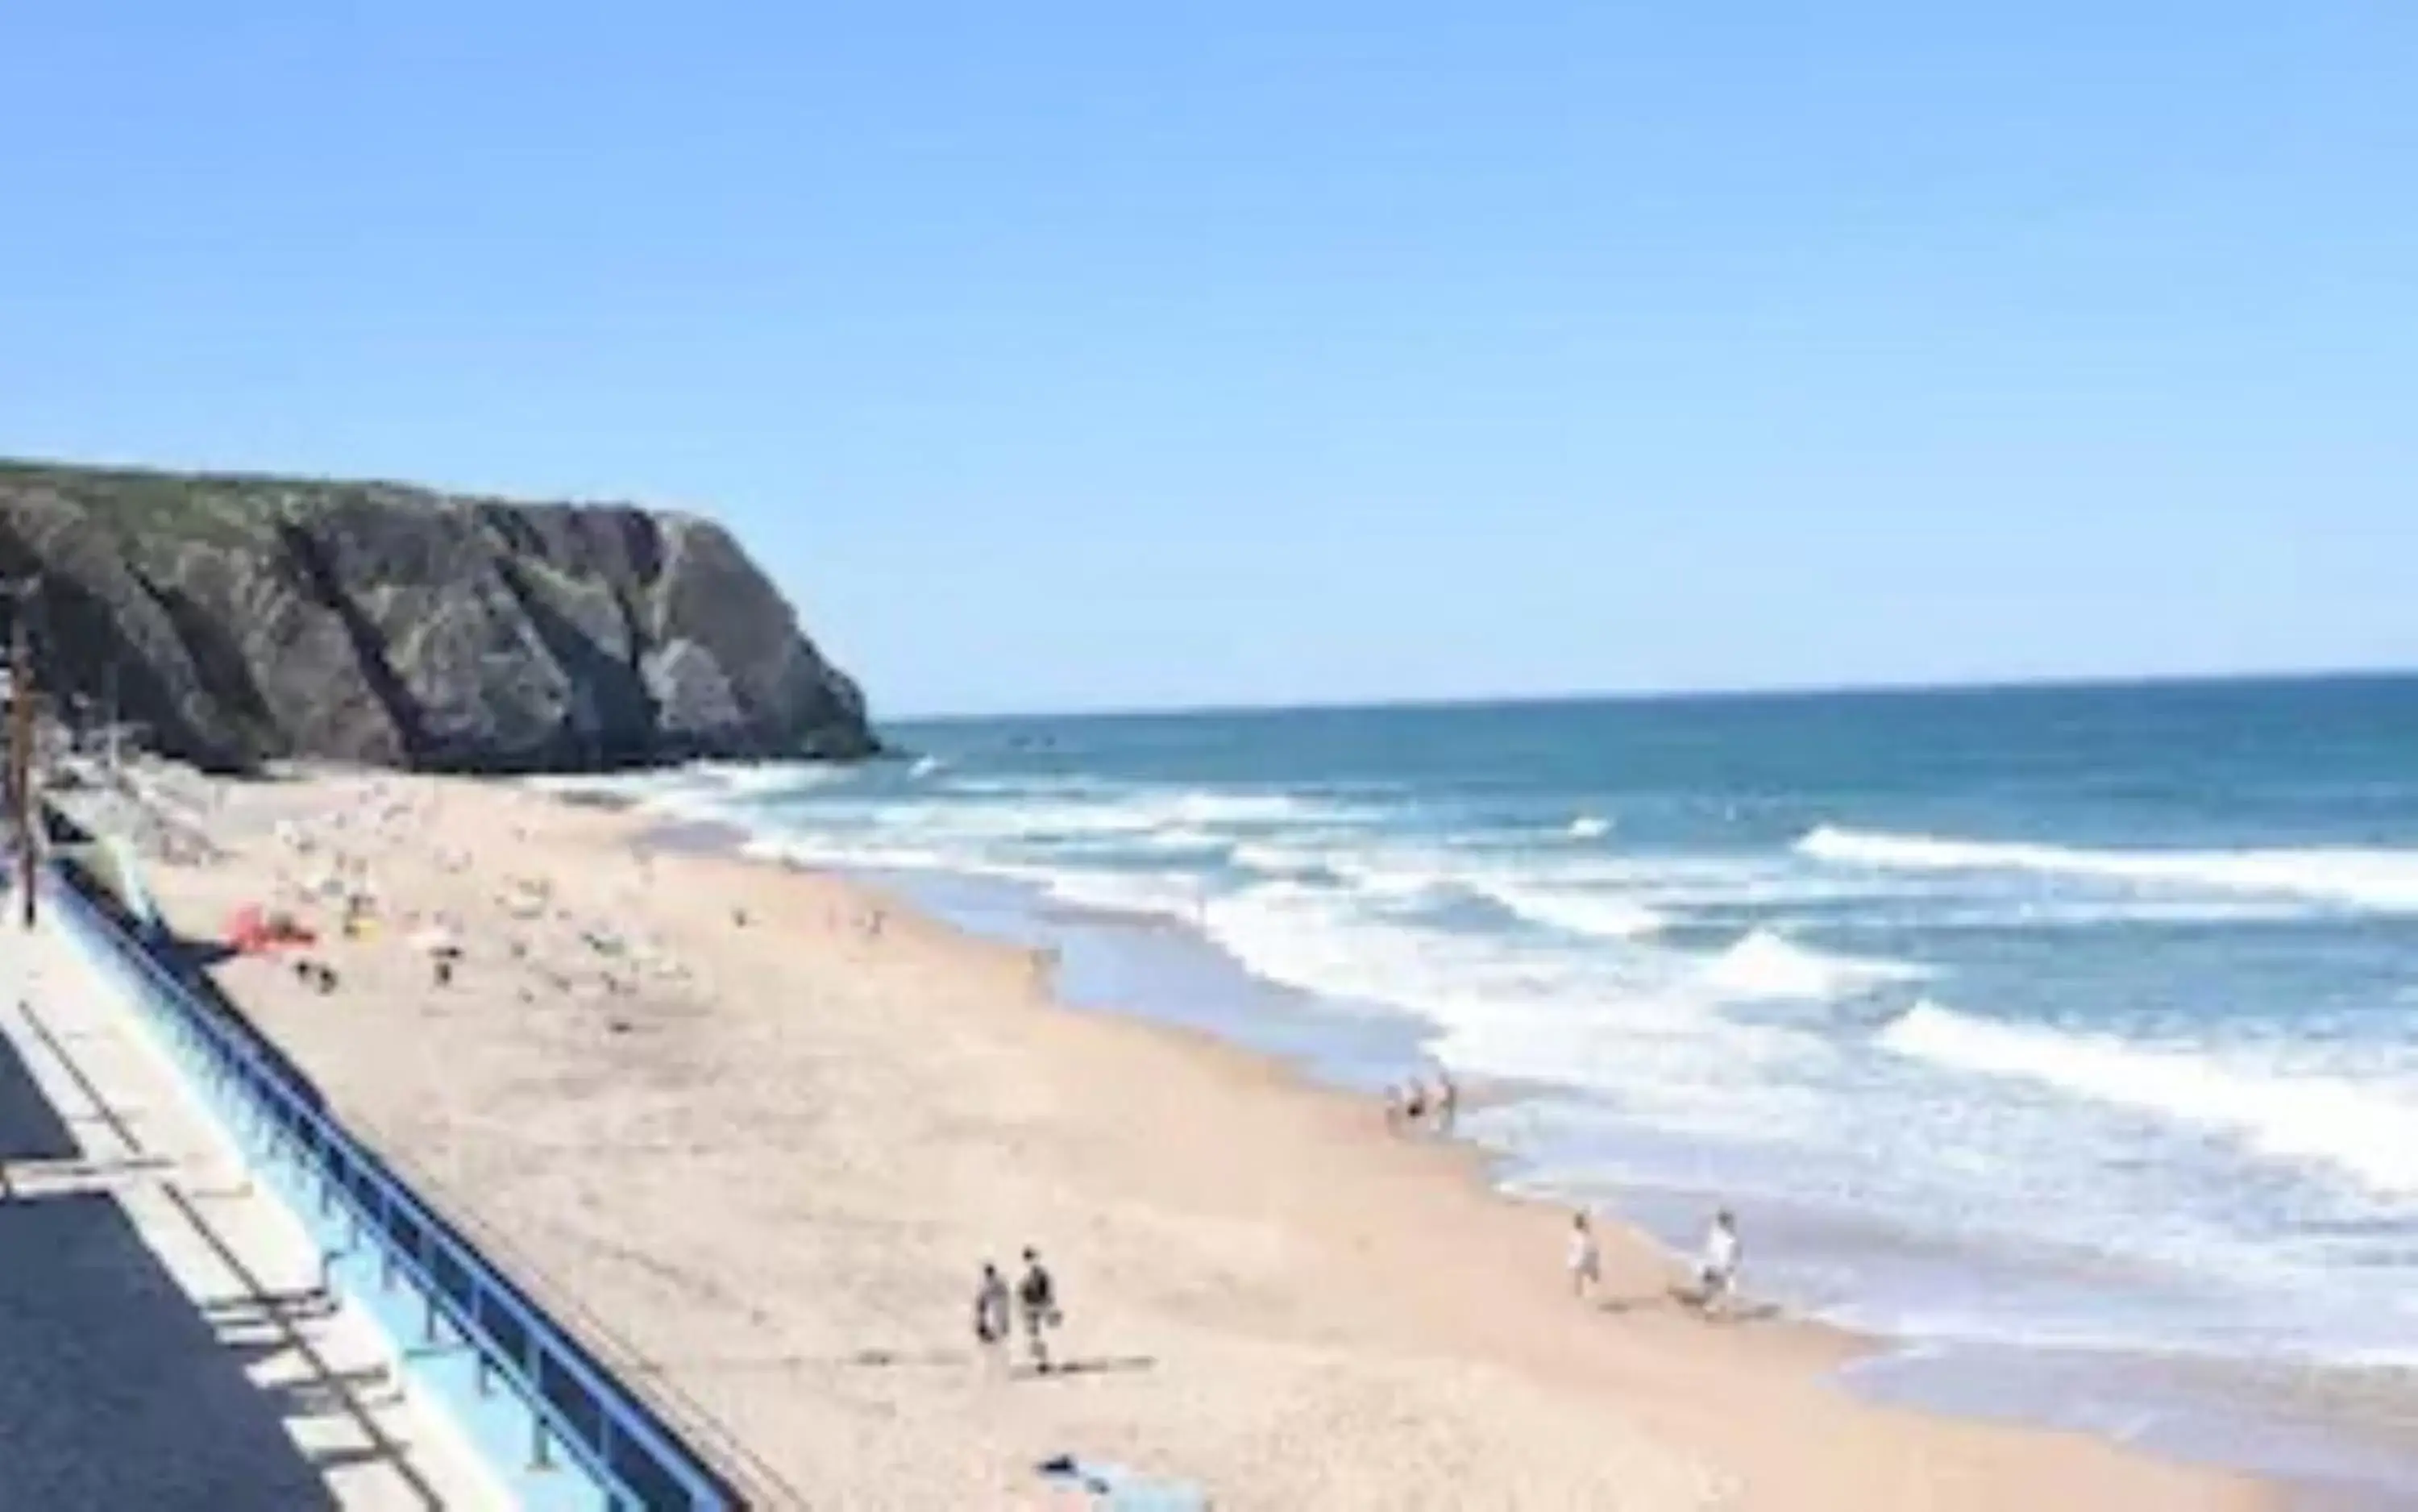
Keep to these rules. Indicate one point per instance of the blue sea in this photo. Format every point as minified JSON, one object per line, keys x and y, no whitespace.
{"x":2076,"y":1028}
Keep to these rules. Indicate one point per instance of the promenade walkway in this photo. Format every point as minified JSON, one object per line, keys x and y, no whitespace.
{"x":165,"y":1342}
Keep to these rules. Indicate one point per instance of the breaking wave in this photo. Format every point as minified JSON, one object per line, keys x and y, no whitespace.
{"x":2355,"y":1127}
{"x":1766,"y":964}
{"x":2370,"y":879}
{"x":1595,"y":914}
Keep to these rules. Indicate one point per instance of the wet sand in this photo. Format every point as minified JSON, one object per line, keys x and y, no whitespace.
{"x":766,"y":1125}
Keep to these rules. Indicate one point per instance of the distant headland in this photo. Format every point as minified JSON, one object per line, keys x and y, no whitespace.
{"x":235,"y":619}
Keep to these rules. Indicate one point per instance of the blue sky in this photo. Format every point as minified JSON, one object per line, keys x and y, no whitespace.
{"x":1065,"y":356}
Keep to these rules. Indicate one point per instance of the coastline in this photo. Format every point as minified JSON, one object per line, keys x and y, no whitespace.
{"x":2339,"y":1438}
{"x":820,"y":1122}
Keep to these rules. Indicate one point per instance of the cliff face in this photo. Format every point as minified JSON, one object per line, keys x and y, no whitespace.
{"x":245,"y":618}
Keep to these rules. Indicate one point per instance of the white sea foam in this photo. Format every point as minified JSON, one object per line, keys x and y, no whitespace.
{"x":1156,"y":894}
{"x":1058,"y":786}
{"x":1398,"y":879}
{"x":1617,"y":1023}
{"x":2369,"y":879}
{"x":1210,"y":806}
{"x":1600,"y":915}
{"x":1270,"y":858}
{"x":1766,"y":964}
{"x":926,"y":767}
{"x":1400,"y":874}
{"x":1669,"y":882}
{"x":743,"y":780}
{"x":1158,"y":819}
{"x":860,"y":855}
{"x":1320,"y":940}
{"x":1589,"y":826}
{"x":1159,"y":894}
{"x":719,"y":790}
{"x":1181,"y":838}
{"x":2092,"y":912}
{"x":2367,"y":1132}
{"x":1395,"y":873}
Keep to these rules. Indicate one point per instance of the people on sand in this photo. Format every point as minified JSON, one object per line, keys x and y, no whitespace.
{"x":1037,"y":1294}
{"x":1412,"y":1104}
{"x":1586,"y":1257}
{"x":993,"y":1320}
{"x":1716,"y":1272}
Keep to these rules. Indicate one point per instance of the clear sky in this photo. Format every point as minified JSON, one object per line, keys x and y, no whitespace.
{"x":1058,"y":356}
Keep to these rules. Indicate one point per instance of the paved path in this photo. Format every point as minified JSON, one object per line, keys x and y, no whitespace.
{"x":164,"y":1342}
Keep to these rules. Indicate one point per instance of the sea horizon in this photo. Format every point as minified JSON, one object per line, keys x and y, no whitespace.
{"x":2054,"y":682}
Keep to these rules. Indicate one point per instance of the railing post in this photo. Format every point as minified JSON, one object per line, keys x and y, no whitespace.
{"x":480,"y":1341}
{"x":427,"y":1258}
{"x":386,"y":1238}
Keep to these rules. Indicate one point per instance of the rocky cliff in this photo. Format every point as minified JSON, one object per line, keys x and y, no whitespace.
{"x":241,"y":619}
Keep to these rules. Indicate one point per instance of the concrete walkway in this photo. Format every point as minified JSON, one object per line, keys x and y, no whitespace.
{"x":164,"y":1340}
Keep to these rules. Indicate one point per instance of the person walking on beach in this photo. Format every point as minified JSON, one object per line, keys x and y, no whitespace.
{"x":1415,"y":1103}
{"x":992,"y":1322}
{"x":1716,"y":1276}
{"x":1586,"y":1258}
{"x":1039,"y":1295}
{"x":1448,"y":1101}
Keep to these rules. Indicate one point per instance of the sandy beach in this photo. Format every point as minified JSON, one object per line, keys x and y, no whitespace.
{"x":767,"y":1124}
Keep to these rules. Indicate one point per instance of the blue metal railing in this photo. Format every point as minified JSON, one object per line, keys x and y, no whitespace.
{"x":613,"y":1436}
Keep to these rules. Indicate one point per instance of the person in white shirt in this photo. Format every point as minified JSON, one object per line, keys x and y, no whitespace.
{"x":1586,"y":1258}
{"x":993,"y":1315}
{"x":1717,"y":1277}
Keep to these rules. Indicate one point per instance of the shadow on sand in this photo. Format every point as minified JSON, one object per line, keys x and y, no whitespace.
{"x":1680,"y":1299}
{"x":1078,"y":1368}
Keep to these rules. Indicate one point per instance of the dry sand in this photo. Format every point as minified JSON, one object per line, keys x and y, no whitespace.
{"x":766,"y":1125}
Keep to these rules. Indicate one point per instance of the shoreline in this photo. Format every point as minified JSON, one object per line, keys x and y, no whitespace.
{"x":1315,"y":1277}
{"x":1459,"y":1158}
{"x":2326,"y":1436}
{"x":2336,"y":1436}
{"x":1468,"y":1161}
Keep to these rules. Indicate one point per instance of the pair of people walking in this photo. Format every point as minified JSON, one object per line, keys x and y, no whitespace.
{"x":1035,"y":1300}
{"x":1413,"y":1104}
{"x":1715,"y":1272}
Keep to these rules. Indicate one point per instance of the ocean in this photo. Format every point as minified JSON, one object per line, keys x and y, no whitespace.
{"x":2066,"y":1036}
